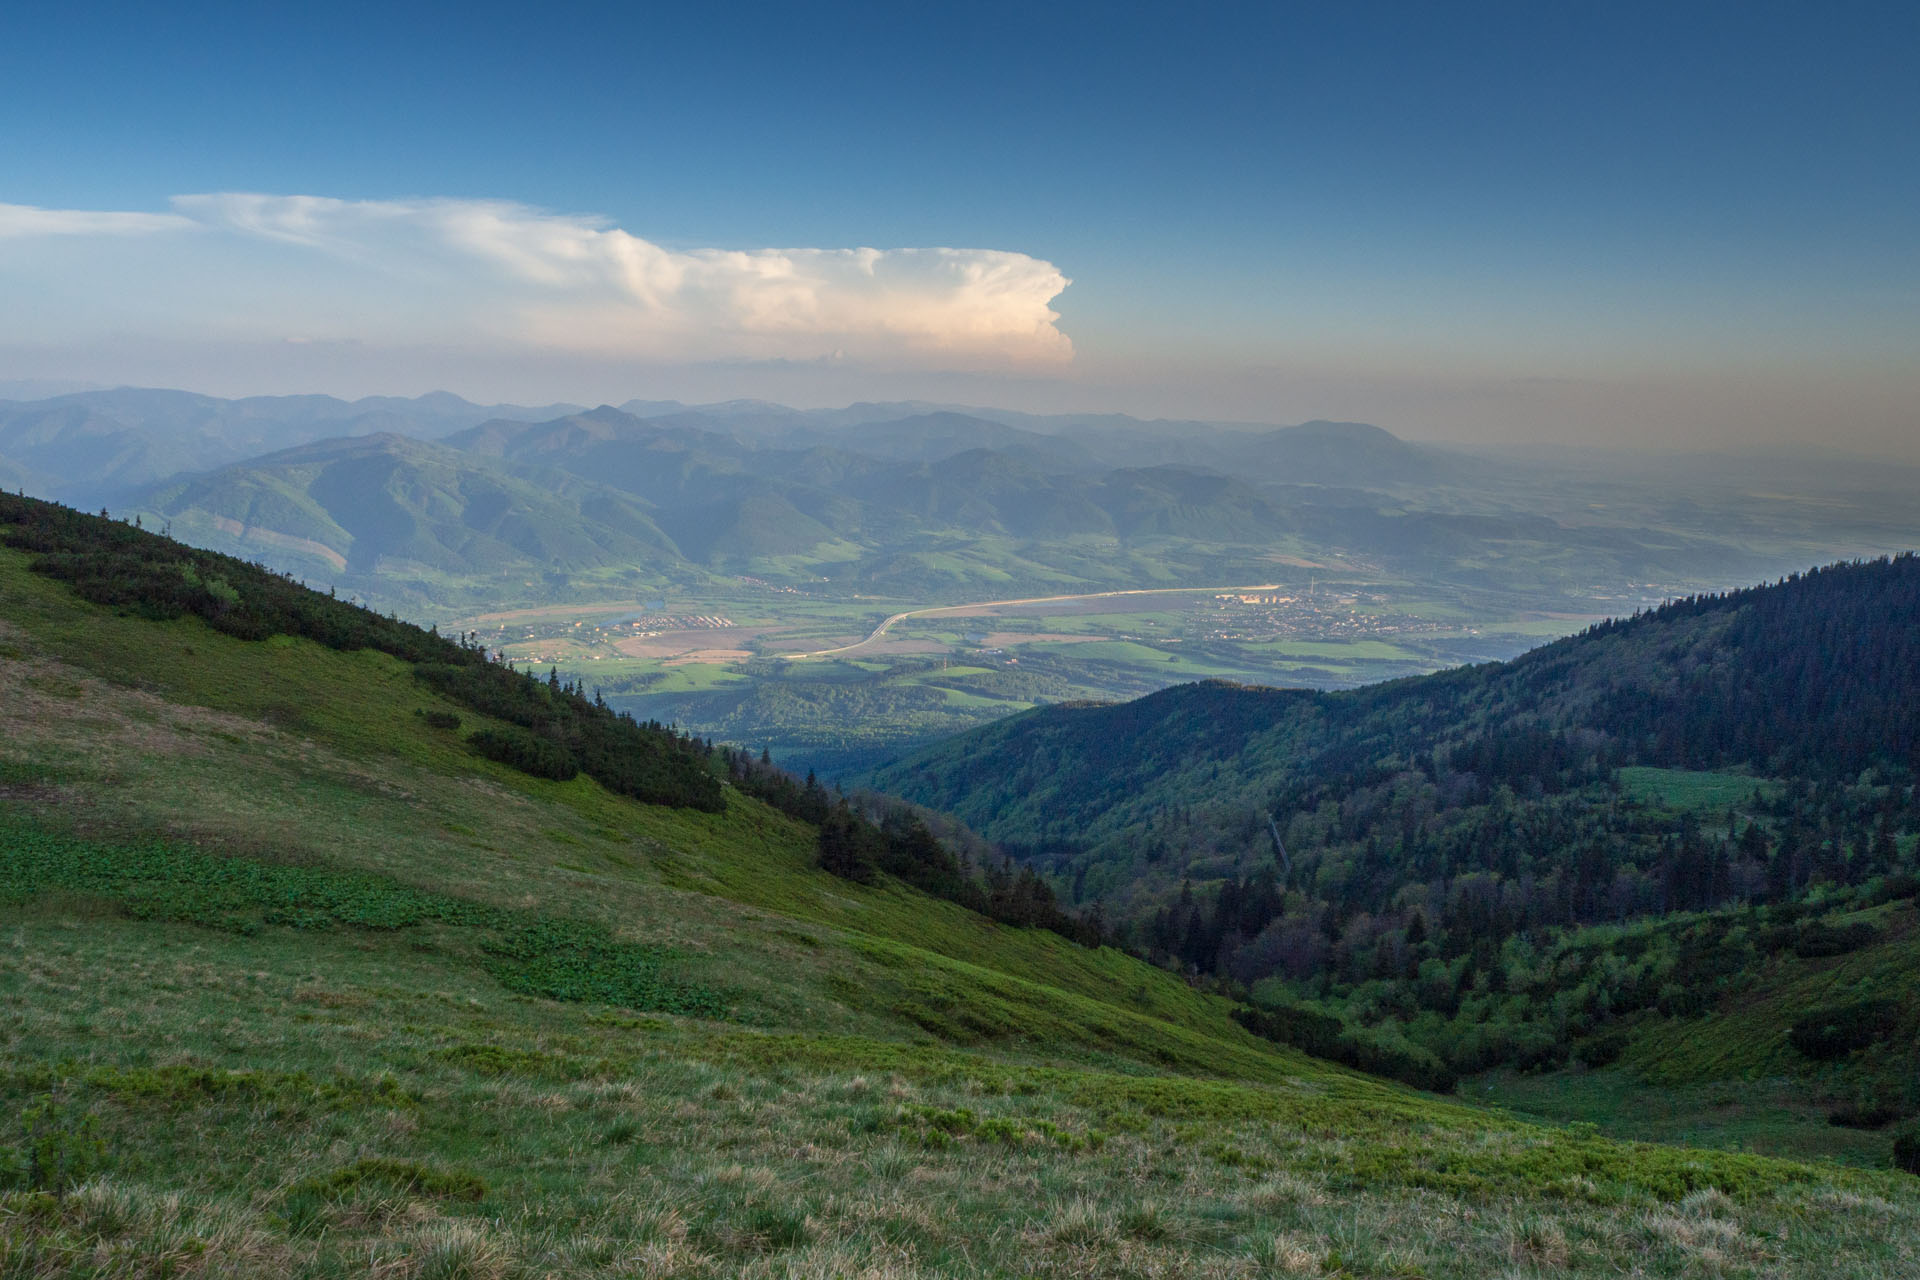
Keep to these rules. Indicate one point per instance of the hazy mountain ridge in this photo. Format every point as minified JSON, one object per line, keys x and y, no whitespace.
{"x":719,"y":500}
{"x":905,"y":498}
{"x":387,"y":503}
{"x":95,"y":446}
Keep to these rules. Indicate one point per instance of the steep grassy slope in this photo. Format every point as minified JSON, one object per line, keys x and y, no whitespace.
{"x":279,"y":993}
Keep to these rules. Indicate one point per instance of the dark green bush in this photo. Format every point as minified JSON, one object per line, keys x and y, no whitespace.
{"x":1896,"y":888}
{"x":646,"y":761}
{"x":1601,"y":1050}
{"x":1863,"y":1115}
{"x":1906,"y":1149}
{"x":1819,"y":939}
{"x":525,"y":752}
{"x":1325,"y":1036}
{"x":1838,"y":1030}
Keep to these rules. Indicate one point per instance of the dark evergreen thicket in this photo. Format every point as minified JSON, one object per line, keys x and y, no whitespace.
{"x":526,"y":752}
{"x":878,"y":834}
{"x":564,"y":732}
{"x":1325,"y":1036}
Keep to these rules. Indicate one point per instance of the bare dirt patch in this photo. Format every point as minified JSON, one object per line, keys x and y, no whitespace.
{"x":553,"y":611}
{"x":1002,"y":639}
{"x":285,"y":541}
{"x":686,"y":645}
{"x":1119,"y":602}
{"x":892,"y":644}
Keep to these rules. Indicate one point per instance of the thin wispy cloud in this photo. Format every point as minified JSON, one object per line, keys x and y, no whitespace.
{"x":488,"y":271}
{"x":23,"y":221}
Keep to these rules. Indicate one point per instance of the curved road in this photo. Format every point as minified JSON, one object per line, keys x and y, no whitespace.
{"x":880,"y":631}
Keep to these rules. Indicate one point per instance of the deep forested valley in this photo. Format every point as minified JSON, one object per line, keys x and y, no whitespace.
{"x":1505,"y":865}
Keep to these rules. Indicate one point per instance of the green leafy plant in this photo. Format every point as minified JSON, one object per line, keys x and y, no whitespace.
{"x":59,"y":1146}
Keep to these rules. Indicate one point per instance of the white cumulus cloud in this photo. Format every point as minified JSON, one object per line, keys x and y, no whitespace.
{"x":488,"y":271}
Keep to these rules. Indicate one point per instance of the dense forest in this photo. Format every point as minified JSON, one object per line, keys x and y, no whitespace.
{"x":1410,"y":855}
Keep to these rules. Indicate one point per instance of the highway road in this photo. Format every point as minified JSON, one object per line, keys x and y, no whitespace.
{"x":880,"y":632}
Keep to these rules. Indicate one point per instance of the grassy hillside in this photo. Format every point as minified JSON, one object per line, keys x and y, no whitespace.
{"x":293,"y":982}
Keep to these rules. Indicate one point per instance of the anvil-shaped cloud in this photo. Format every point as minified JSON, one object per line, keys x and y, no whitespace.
{"x":483,"y":272}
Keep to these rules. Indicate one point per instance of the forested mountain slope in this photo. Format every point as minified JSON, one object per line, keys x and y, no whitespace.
{"x":300,"y":978}
{"x":1728,"y":779}
{"x":1815,"y":675}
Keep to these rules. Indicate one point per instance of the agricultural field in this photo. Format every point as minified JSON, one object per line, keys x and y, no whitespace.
{"x":839,"y":683}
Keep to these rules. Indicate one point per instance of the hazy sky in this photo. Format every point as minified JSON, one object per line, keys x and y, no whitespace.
{"x":1677,"y":223}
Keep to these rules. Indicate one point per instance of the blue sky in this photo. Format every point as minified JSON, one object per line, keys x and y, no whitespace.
{"x":1541,"y":221}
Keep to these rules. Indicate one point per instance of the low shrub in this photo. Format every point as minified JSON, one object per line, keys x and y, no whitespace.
{"x":405,"y":1176}
{"x":557,"y":959}
{"x":129,"y":568}
{"x":1838,"y":1030}
{"x":1325,"y":1036}
{"x":575,"y":961}
{"x":1818,"y":940}
{"x":941,"y":1126}
{"x":59,"y":1147}
{"x":499,"y":1060}
{"x":1863,"y":1115}
{"x":1906,"y":1149}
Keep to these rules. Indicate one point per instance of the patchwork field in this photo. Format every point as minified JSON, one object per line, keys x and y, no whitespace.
{"x":835,"y":683}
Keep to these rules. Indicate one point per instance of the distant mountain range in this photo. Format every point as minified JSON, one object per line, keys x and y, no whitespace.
{"x":603,"y":487}
{"x":102,"y":446}
{"x":417,"y":501}
{"x":537,"y":496}
{"x":389,"y":504}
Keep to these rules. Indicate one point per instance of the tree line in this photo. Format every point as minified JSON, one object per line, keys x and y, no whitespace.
{"x":864,"y":835}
